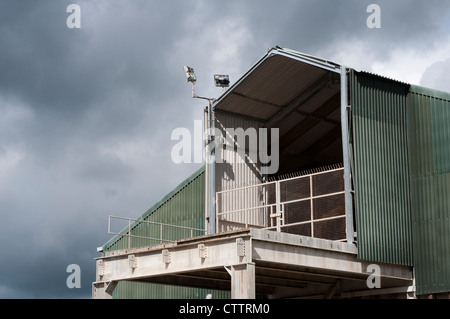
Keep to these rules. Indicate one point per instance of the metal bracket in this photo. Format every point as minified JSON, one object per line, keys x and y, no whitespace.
{"x":229,"y":270}
{"x":240,"y":243}
{"x":166,"y":256}
{"x":109,"y":286}
{"x":132,"y":261}
{"x":202,"y":251}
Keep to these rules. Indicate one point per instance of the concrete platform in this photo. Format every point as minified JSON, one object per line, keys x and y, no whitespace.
{"x":254,"y":261}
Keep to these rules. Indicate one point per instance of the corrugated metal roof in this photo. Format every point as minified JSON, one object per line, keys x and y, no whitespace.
{"x":434,"y":94}
{"x":276,"y":83}
{"x":297,"y":93}
{"x":379,"y":76}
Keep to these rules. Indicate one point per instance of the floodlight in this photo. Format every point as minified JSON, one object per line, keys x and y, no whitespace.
{"x":190,"y":74}
{"x":221,"y":80}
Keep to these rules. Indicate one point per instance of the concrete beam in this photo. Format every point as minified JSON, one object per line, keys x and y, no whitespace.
{"x":257,"y":261}
{"x":320,"y":255}
{"x":192,"y":256}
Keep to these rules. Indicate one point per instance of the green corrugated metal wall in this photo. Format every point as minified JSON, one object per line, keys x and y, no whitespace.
{"x":380,"y":172}
{"x":137,"y":290}
{"x":183,"y":206}
{"x":429,"y":148}
{"x":401,"y":174}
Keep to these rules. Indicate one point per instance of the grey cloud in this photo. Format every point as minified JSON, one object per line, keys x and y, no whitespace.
{"x":436,"y":76}
{"x":66,"y":95}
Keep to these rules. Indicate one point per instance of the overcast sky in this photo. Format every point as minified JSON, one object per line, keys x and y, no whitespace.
{"x":86,"y":114}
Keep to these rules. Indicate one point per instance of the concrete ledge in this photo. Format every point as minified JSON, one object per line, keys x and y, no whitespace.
{"x":298,"y":240}
{"x":251,"y":261}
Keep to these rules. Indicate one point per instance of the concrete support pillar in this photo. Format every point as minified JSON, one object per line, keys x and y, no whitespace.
{"x":103,"y":290}
{"x":242,"y":281}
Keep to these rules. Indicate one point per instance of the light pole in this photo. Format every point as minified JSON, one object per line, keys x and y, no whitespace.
{"x":210,"y":152}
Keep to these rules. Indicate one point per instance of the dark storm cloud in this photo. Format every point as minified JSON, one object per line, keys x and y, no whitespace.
{"x":78,"y":90}
{"x":310,"y":25}
{"x":96,"y":81}
{"x":69,"y":70}
{"x":87,"y":113}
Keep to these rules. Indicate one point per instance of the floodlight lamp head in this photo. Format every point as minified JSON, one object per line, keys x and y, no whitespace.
{"x":190,"y":74}
{"x":221,"y":80}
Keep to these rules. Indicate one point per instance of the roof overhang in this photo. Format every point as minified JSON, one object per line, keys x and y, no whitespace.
{"x":300,"y":95}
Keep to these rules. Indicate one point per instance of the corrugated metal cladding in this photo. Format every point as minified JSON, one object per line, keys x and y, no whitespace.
{"x":183,"y":206}
{"x":381,"y":169}
{"x":270,"y":87}
{"x":139,"y":290}
{"x":235,"y":170}
{"x":429,"y":148}
{"x":401,"y":174}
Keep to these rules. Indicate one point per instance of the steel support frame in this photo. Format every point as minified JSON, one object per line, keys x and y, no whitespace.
{"x":346,"y":156}
{"x":211,"y":164}
{"x":332,"y":67}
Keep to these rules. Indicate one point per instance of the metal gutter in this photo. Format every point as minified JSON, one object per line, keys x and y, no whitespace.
{"x":309,"y":59}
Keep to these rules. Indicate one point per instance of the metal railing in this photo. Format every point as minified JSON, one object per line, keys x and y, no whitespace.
{"x":133,"y":225}
{"x":311,"y":205}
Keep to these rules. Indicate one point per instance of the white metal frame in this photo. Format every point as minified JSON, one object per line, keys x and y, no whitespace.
{"x":278,"y":208}
{"x":332,"y":67}
{"x":161,"y":225}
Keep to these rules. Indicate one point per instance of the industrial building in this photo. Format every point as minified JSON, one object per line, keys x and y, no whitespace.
{"x":358,"y":206}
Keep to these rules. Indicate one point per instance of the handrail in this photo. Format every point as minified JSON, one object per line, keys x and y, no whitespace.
{"x":161,"y":225}
{"x":276,"y":209}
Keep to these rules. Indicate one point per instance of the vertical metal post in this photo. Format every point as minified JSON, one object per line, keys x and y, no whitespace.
{"x":205,"y":136}
{"x":264,"y":202}
{"x":311,"y":194}
{"x":129,"y":233}
{"x":346,"y":157}
{"x":278,"y":210}
{"x":246,"y":198}
{"x":211,"y":170}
